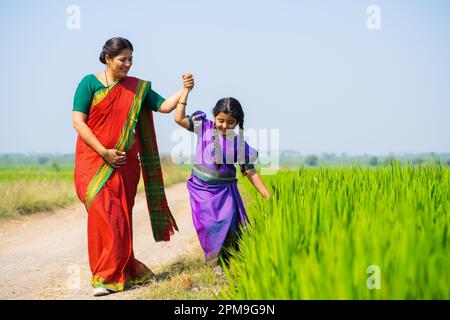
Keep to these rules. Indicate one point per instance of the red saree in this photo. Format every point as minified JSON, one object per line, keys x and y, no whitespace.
{"x":118,"y":122}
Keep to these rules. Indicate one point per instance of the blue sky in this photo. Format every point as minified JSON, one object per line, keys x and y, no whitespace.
{"x":311,"y":69}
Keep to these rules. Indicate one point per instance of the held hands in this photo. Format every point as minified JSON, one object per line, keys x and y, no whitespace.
{"x":114,"y":158}
{"x":188,"y":81}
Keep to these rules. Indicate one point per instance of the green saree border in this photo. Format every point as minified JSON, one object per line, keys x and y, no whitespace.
{"x":144,"y":277}
{"x":102,"y":93}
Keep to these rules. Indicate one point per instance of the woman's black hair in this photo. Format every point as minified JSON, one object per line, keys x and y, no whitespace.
{"x":232,"y":107}
{"x":113,"y":47}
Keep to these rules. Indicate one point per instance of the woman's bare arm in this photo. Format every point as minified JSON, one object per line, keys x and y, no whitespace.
{"x":171,"y":103}
{"x":114,"y":157}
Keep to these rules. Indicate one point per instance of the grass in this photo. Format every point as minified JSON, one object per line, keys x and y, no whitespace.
{"x":326,"y":230}
{"x":25,"y":197}
{"x":10,"y":174}
{"x":187,"y":278}
{"x":30,"y":189}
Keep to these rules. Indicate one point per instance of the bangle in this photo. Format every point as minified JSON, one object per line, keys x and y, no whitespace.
{"x":105,"y":153}
{"x":182,"y":102}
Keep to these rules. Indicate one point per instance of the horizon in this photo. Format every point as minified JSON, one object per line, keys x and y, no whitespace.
{"x":282,"y":153}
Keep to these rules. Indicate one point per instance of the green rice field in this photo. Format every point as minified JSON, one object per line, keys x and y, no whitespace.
{"x":347,"y":233}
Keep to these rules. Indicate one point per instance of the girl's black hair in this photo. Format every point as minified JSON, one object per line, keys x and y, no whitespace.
{"x":232,"y":107}
{"x":113,"y":47}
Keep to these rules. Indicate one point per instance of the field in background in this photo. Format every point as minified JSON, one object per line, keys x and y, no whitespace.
{"x":347,"y":233}
{"x":331,"y":232}
{"x":33,"y":183}
{"x":29,"y":189}
{"x":36,"y":184}
{"x":295,"y":159}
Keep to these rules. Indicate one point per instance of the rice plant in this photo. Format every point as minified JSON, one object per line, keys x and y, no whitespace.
{"x":347,"y":233}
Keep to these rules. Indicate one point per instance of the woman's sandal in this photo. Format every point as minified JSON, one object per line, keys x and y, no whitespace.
{"x":97,"y":292}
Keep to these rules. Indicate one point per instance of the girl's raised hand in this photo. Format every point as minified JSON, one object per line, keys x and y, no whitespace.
{"x":188,"y":81}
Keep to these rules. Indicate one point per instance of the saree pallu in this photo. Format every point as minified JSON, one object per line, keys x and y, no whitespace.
{"x":118,"y":122}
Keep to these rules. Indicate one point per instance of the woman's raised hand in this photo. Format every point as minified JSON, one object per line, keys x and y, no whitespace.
{"x":115,"y":158}
{"x":188,"y":81}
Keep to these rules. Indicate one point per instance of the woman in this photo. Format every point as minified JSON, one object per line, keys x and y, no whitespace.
{"x":112,"y":114}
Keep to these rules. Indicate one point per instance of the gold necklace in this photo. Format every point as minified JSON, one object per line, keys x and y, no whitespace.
{"x":106,"y":78}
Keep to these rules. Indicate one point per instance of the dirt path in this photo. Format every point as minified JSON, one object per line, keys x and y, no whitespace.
{"x":44,"y":256}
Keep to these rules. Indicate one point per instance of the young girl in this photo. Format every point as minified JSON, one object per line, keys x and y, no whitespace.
{"x":217,"y":207}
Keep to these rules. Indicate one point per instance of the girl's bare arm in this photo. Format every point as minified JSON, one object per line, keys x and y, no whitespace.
{"x":258,"y":183}
{"x":171,"y":103}
{"x":180,"y":113}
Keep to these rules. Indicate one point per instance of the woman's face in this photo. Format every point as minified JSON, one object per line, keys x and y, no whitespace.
{"x":121,"y":64}
{"x":225,"y":122}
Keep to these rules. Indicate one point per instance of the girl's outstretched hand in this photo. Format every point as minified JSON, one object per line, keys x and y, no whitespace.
{"x":266,"y":196}
{"x":258,"y":183}
{"x":188,"y":81}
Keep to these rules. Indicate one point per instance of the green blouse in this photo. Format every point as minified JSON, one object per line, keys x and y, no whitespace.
{"x":90,"y":84}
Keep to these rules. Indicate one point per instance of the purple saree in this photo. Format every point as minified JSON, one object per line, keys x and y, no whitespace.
{"x":217,"y":208}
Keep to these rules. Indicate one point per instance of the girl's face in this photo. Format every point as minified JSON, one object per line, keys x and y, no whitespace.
{"x":121,"y":64}
{"x":225,"y":122}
